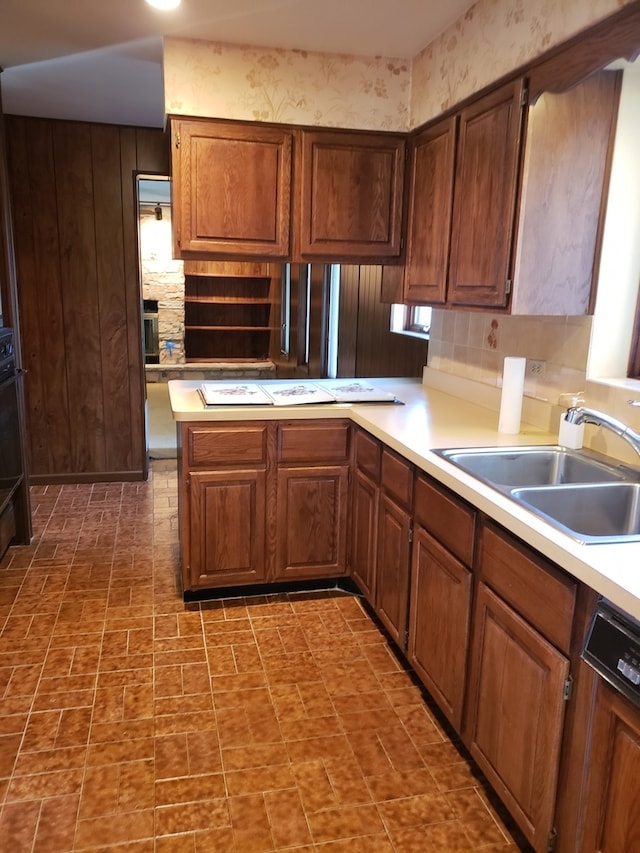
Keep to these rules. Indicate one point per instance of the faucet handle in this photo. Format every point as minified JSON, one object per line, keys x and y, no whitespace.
{"x":633,"y":402}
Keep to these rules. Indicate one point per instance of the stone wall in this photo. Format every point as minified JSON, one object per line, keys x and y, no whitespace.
{"x":163,"y":281}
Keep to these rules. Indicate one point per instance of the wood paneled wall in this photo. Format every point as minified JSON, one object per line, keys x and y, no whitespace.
{"x":75,"y":230}
{"x":366,"y":346}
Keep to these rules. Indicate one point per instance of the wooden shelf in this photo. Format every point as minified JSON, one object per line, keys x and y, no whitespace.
{"x":233,"y":300}
{"x":231,"y":311}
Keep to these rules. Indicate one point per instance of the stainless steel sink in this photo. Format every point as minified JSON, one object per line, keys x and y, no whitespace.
{"x":533,"y":466}
{"x":593,"y":500}
{"x":600,"y":512}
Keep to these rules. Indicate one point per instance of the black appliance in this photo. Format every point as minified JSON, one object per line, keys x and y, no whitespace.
{"x":612,"y":648}
{"x":10,"y":444}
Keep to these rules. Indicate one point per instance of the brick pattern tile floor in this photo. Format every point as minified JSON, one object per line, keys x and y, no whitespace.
{"x":130,"y":721}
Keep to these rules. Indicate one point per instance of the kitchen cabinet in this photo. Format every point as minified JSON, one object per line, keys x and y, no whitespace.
{"x":395,"y":530}
{"x":351,"y":195}
{"x":233,"y":195}
{"x":365,"y":500}
{"x":484,"y":197}
{"x":519,"y":678}
{"x":231,"y":192}
{"x":262,"y":501}
{"x":611,"y":811}
{"x":441,"y":594}
{"x":430,"y":209}
{"x":312,"y":500}
{"x":232,"y":311}
{"x":506,"y":202}
{"x":223,"y":495}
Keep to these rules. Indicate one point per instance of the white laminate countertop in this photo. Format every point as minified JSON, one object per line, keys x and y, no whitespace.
{"x":431,"y":419}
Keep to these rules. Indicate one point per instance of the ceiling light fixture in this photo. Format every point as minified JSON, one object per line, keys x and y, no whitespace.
{"x":164,"y":5}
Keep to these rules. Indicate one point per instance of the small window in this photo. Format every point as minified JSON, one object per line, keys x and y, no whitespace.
{"x":412,"y":320}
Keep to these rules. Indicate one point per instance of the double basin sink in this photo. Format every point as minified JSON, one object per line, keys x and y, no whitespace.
{"x":591,"y":499}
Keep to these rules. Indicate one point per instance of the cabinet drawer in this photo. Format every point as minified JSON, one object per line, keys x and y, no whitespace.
{"x":539,"y":591}
{"x":319,"y":441}
{"x":397,"y":477}
{"x":446,"y":517}
{"x":367,"y":454}
{"x":229,"y":445}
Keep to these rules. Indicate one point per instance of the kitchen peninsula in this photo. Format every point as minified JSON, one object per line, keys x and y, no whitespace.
{"x":432,"y":419}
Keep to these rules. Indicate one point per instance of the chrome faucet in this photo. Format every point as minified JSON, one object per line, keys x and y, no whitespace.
{"x":582,"y":415}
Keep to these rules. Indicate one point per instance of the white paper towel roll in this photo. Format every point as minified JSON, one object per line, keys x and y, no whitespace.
{"x":512,"y":390}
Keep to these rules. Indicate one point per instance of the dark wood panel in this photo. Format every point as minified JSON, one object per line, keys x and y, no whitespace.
{"x":32,"y":176}
{"x":78,"y":261}
{"x":112,"y":305}
{"x":73,"y":201}
{"x":364,"y":328}
{"x":136,"y":155}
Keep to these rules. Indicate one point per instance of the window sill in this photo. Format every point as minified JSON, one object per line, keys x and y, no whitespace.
{"x":419,"y":335}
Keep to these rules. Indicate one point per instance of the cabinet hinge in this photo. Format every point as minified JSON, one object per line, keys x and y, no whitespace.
{"x":524,"y":97}
{"x":507,"y":286}
{"x":567,"y":689}
{"x":177,"y":140}
{"x":551,"y":841}
{"x":405,"y":639}
{"x":410,"y":534}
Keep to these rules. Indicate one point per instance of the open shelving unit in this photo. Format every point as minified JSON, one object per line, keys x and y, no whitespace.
{"x":232,"y":311}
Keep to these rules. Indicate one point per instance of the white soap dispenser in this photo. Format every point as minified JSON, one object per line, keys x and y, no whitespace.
{"x":570,"y":435}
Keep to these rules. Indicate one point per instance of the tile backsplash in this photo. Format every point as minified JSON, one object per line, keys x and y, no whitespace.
{"x":474,"y":345}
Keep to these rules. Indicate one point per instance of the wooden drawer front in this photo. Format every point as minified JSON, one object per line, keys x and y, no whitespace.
{"x":448,"y":519}
{"x":367,"y":454}
{"x":318,"y":441}
{"x":536,"y":589}
{"x":237,"y":445}
{"x":397,"y":477}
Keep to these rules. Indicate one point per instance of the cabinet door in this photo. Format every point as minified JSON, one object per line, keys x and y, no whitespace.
{"x":231,"y":190}
{"x":227,"y":528}
{"x":439,"y":623}
{"x":430,"y":206}
{"x":364,"y":534}
{"x":393,"y":569}
{"x":612,"y":813}
{"x":484,"y":200}
{"x":312,"y":522}
{"x":352,"y":188}
{"x":516,"y":713}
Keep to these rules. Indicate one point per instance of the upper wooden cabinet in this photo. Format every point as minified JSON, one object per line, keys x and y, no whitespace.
{"x":484,"y":198}
{"x":351,"y":189}
{"x":430,"y":206}
{"x":506,"y":201}
{"x":231,"y":189}
{"x":233,"y":197}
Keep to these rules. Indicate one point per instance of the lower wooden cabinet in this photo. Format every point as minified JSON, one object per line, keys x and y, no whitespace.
{"x":393,"y":553}
{"x":441,"y":588}
{"x":312,"y":522}
{"x":227,"y":528}
{"x":252,"y":510}
{"x":516,"y":713}
{"x":393,"y":568}
{"x":365,"y":500}
{"x":612,"y":811}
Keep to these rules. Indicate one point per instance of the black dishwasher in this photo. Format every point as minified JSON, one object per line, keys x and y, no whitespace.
{"x":612,"y":648}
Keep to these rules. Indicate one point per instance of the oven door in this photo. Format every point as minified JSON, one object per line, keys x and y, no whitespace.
{"x":10,"y":453}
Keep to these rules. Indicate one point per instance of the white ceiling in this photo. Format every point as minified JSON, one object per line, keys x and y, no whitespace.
{"x":101,"y":60}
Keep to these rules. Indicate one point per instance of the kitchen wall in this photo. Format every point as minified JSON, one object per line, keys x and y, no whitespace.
{"x":286,"y":86}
